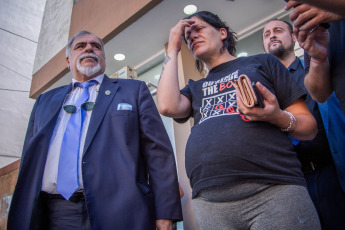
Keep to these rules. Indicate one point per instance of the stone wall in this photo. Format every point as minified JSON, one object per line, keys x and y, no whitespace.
{"x":8,"y":180}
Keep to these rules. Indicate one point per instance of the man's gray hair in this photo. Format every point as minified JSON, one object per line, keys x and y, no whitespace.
{"x":69,"y":44}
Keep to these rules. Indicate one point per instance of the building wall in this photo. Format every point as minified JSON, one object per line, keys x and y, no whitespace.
{"x":8,"y":180}
{"x":54,"y":32}
{"x":20,"y":22}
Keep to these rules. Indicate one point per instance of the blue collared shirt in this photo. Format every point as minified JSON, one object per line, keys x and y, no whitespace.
{"x":334,"y":122}
{"x":51,"y":168}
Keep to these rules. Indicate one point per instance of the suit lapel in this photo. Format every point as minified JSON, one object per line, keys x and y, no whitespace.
{"x":105,"y":96}
{"x":58,"y":99}
{"x":40,"y":144}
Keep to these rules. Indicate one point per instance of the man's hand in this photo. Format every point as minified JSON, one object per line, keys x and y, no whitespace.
{"x":335,"y":6}
{"x":311,"y":37}
{"x":306,"y":17}
{"x":315,"y":43}
{"x":162,"y":224}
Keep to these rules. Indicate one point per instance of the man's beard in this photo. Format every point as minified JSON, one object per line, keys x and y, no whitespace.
{"x":281,"y":51}
{"x":89,"y":70}
{"x":278,"y":52}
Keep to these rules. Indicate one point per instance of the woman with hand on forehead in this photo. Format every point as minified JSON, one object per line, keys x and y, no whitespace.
{"x":240,"y":161}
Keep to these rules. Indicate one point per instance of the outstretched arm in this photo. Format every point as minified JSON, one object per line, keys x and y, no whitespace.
{"x":169,"y":100}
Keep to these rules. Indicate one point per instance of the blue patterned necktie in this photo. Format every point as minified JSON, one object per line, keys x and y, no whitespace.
{"x":67,"y":181}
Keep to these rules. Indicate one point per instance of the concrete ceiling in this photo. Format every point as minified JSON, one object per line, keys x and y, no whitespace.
{"x":146,"y":38}
{"x":143,"y":42}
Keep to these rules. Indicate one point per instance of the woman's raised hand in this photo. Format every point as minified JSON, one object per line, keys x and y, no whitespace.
{"x":176,"y":33}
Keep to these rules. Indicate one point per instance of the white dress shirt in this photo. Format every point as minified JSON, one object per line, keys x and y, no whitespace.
{"x":52,"y":164}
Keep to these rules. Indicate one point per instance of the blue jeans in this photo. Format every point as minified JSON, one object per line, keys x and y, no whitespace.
{"x":328,"y":197}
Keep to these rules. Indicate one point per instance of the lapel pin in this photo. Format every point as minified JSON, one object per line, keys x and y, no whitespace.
{"x":107,"y":92}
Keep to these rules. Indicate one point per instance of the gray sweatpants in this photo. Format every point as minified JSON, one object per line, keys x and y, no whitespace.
{"x":256,"y":207}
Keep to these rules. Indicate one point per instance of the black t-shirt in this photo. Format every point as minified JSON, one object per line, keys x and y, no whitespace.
{"x":224,"y":147}
{"x":316,"y":150}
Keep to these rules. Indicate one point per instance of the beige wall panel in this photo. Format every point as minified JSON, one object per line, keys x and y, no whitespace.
{"x":8,"y":77}
{"x":22,"y":17}
{"x":54,"y":31}
{"x":14,"y":116}
{"x":109,"y":17}
{"x":51,"y":72}
{"x":20,"y":22}
{"x":17,"y":53}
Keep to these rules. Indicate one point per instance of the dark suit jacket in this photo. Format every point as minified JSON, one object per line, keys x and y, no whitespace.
{"x":128,"y":164}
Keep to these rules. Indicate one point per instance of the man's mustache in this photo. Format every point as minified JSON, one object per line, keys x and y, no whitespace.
{"x":88,"y":55}
{"x":274,"y":40}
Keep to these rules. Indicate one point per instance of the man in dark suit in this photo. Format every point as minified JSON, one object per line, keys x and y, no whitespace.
{"x":96,"y":154}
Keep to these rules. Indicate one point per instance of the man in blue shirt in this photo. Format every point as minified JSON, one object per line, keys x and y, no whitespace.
{"x":315,"y":155}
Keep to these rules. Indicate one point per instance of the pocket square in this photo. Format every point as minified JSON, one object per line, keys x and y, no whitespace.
{"x":124,"y":106}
